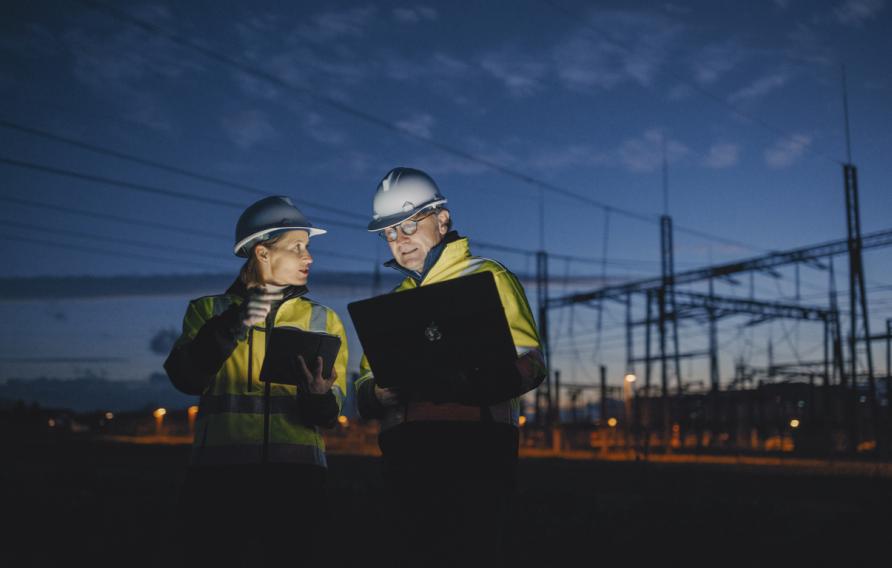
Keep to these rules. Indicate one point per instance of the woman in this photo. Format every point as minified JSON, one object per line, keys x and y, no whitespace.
{"x":252,"y":492}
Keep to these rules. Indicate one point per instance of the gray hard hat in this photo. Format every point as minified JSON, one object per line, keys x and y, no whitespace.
{"x":401,"y":194}
{"x":265,"y":218}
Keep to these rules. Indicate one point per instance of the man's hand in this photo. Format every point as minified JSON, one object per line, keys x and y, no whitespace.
{"x":316,"y":383}
{"x":387,"y":397}
{"x":258,"y":305}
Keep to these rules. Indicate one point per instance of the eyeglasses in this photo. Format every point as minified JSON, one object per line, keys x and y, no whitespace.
{"x":409,"y":227}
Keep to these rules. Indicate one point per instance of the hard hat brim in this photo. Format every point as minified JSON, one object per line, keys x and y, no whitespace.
{"x":386,"y":222}
{"x":238,"y":250}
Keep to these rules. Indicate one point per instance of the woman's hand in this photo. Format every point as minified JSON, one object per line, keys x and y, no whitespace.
{"x":258,"y":305}
{"x":316,"y":383}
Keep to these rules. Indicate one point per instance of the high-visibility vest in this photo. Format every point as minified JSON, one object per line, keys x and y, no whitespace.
{"x":229,"y":428}
{"x":454,"y":262}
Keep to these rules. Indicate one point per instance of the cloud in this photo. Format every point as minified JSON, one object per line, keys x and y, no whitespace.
{"x":437,"y":66}
{"x":677,"y":9}
{"x":680,"y":92}
{"x":419,"y":124}
{"x":645,"y":153}
{"x":521,"y":73}
{"x":443,"y":164}
{"x":786,"y":151}
{"x":320,"y":130}
{"x":760,"y":87}
{"x":856,"y":12}
{"x":122,"y":57}
{"x":806,"y":44}
{"x":249,"y":128}
{"x":415,"y":15}
{"x":721,"y":155}
{"x":33,"y":41}
{"x":614,"y":48}
{"x":337,"y":25}
{"x":123,"y":64}
{"x":163,"y":340}
{"x":714,"y":60}
{"x":574,"y":155}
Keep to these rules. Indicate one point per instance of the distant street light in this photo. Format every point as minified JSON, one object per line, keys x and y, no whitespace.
{"x":159,"y":419}
{"x":192,"y":413}
{"x":628,"y":394}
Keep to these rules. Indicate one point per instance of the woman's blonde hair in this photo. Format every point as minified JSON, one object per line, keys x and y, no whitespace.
{"x":250,"y":271}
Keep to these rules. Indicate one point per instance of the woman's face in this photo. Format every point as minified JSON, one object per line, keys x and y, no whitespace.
{"x":287,"y":261}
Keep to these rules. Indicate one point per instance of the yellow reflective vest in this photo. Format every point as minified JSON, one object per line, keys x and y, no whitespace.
{"x":230,"y":425}
{"x":456,"y":261}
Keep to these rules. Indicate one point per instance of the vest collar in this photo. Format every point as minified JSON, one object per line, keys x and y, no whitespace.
{"x":239,"y":289}
{"x":451,"y":248}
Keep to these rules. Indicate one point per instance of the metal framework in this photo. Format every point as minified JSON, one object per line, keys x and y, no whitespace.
{"x":665,"y":305}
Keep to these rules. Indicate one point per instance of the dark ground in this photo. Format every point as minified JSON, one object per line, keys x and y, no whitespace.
{"x":80,"y":503}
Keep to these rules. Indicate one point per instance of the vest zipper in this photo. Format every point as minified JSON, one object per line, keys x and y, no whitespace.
{"x":250,"y":358}
{"x":267,"y":386}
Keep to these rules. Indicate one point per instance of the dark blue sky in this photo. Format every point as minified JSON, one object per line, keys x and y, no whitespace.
{"x":745,"y":99}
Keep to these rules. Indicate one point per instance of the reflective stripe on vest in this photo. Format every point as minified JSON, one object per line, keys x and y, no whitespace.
{"x":245,"y":404}
{"x":251,"y":453}
{"x":319,"y":323}
{"x":452,"y":412}
{"x":318,"y":318}
{"x":220,"y":304}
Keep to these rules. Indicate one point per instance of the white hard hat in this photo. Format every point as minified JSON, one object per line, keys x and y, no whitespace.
{"x":401,"y":194}
{"x":267,"y":217}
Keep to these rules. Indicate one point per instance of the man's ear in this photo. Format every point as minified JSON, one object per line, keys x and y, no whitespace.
{"x":443,"y":219}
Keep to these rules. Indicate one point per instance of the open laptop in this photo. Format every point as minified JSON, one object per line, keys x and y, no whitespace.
{"x":452,"y":326}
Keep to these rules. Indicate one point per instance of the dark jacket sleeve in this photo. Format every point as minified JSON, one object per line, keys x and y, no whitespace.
{"x":370,"y":408}
{"x":318,"y":409}
{"x":524,"y":375}
{"x":193,"y":364}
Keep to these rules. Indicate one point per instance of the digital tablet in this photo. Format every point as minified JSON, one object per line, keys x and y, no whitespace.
{"x":281,"y":365}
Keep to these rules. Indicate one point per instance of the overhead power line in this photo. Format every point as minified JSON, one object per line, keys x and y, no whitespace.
{"x":105,"y":252}
{"x":140,"y":243}
{"x":232,"y":204}
{"x":190,"y":231}
{"x":166,"y":167}
{"x":388,"y":125}
{"x":140,"y":187}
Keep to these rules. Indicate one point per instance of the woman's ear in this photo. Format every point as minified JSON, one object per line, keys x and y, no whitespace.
{"x":261,"y":253}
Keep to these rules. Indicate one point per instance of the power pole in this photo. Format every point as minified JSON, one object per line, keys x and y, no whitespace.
{"x":858,"y":302}
{"x":542,"y":303}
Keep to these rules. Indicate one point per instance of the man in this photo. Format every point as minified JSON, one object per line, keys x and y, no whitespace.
{"x":450,"y":456}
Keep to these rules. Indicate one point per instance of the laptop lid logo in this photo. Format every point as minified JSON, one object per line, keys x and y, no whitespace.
{"x":432,"y":332}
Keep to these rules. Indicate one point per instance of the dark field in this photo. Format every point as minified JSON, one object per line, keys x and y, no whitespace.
{"x":80,"y":503}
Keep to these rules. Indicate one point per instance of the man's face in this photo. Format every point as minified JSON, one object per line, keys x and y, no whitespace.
{"x":287,"y":261}
{"x":409,"y":251}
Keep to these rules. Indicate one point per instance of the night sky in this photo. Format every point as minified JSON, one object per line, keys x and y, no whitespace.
{"x":130,"y":142}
